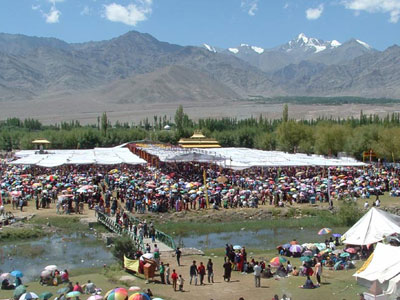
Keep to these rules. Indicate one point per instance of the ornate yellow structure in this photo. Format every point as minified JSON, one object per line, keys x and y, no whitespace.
{"x":198,"y":140}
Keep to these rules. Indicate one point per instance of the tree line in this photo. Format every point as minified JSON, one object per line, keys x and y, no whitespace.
{"x":323,"y":135}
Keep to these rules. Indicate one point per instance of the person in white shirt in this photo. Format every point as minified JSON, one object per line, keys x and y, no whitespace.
{"x":366,"y":205}
{"x":257,"y":274}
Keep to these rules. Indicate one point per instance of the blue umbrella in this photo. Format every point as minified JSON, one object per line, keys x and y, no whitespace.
{"x":286,"y":246}
{"x":336,"y":235}
{"x":17,"y":273}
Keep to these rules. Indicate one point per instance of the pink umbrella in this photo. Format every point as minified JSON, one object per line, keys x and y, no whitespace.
{"x":95,"y":297}
{"x":134,"y":289}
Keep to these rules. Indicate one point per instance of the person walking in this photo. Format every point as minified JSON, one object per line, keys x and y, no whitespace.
{"x":167,"y":273}
{"x":178,"y":253}
{"x":174,"y":277}
{"x":201,"y":270}
{"x":318,"y":272}
{"x":193,"y":273}
{"x":210,"y":271}
{"x":257,"y":274}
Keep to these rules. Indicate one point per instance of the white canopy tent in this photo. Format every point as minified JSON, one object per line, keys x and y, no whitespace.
{"x":384,"y":268}
{"x":373,"y":227}
{"x":244,"y":158}
{"x":100,"y":156}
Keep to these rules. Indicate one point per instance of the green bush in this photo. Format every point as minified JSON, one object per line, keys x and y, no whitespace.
{"x":124,"y":246}
{"x":348,"y":213}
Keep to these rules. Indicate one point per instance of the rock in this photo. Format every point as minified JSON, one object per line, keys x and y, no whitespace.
{"x":191,"y":251}
{"x":127,"y":279}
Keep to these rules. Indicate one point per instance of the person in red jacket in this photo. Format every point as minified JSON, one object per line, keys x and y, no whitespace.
{"x":174,"y":277}
{"x":201,"y":270}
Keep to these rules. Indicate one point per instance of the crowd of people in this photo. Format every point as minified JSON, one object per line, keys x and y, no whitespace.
{"x":180,"y":187}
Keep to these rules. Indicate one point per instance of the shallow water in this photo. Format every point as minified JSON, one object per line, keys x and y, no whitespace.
{"x":78,"y":250}
{"x":264,"y":239}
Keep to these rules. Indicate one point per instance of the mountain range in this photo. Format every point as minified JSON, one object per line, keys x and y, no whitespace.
{"x":137,"y":68}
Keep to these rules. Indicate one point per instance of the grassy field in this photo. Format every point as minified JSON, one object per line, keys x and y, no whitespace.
{"x":336,"y":284}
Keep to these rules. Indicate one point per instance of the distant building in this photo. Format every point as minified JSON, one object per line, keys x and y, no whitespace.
{"x":198,"y":140}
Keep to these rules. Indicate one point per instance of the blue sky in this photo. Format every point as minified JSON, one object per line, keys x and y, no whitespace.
{"x":221,"y":23}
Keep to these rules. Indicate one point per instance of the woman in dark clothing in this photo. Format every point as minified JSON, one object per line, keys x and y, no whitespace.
{"x":227,"y":271}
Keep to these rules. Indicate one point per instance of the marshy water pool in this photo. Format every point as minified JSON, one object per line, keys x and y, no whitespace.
{"x":77,"y":250}
{"x":264,"y":239}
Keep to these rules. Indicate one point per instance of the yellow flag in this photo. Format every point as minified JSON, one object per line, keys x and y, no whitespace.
{"x":131,"y":264}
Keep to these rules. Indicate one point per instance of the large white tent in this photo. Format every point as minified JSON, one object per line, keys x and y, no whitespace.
{"x":244,"y":158}
{"x":100,"y":156}
{"x":384,"y":268}
{"x":373,"y":227}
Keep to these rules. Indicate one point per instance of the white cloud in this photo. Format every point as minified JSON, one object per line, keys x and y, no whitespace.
{"x":376,"y":6}
{"x":35,"y":7}
{"x":286,"y":6}
{"x":314,"y":13}
{"x":130,"y":14}
{"x":250,"y":6}
{"x":53,"y":16}
{"x":85,"y":11}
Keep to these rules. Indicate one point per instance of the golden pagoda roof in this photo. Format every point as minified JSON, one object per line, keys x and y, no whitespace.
{"x":198,"y":140}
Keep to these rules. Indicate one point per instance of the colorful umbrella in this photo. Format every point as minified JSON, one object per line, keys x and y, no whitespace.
{"x":116,"y":294}
{"x":73,"y":294}
{"x":45,"y":295}
{"x":134,"y":289}
{"x":17,"y":273}
{"x":351,"y":250}
{"x":276,"y":261}
{"x":324,"y":231}
{"x":28,"y":296}
{"x":295,"y":249}
{"x":139,"y":296}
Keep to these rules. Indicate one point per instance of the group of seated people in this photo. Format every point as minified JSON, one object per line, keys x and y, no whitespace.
{"x":55,"y":278}
{"x":6,"y":285}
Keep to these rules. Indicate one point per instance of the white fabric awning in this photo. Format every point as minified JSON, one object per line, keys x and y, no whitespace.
{"x":100,"y":156}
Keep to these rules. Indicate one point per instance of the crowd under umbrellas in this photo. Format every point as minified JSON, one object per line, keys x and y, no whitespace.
{"x":182,"y":187}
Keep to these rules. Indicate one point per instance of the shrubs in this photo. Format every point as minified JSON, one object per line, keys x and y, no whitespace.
{"x":123,"y":245}
{"x":348,"y":213}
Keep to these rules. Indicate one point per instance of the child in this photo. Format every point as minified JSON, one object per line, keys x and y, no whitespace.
{"x":180,"y":283}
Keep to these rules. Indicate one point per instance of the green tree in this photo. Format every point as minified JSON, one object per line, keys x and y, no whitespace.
{"x":124,"y":246}
{"x":285,"y":113}
{"x":104,"y":123}
{"x":179,"y":119}
{"x":330,"y":139}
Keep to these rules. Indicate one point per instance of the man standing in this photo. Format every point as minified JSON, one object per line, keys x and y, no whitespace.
{"x":318,"y":271}
{"x":201,"y":270}
{"x":174,"y":277}
{"x":210,"y":271}
{"x":257,"y":274}
{"x":227,"y":270}
{"x":167,"y":273}
{"x":162,"y":273}
{"x":193,"y":273}
{"x":178,"y":253}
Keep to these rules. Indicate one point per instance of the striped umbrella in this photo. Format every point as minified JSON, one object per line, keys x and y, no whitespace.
{"x":324,"y":231}
{"x":139,"y":296}
{"x":116,"y":294}
{"x":28,"y":296}
{"x":276,"y":261}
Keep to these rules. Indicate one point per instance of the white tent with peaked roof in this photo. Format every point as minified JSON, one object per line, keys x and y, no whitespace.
{"x":373,"y":227}
{"x":383,"y":270}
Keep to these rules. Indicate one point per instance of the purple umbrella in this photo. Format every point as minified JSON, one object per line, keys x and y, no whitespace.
{"x":295,"y":249}
{"x":338,"y":235}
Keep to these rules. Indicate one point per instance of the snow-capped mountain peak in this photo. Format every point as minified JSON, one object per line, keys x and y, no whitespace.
{"x":259,"y":50}
{"x":307,"y":44}
{"x":364,"y":44}
{"x":234,"y":50}
{"x":210,"y":48}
